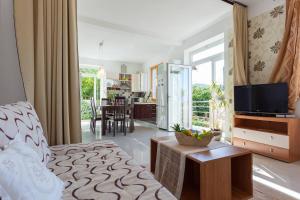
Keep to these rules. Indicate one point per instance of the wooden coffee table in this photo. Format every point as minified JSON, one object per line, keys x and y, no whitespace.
{"x":224,"y":173}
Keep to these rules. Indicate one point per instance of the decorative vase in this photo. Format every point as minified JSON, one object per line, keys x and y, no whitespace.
{"x":297,"y":111}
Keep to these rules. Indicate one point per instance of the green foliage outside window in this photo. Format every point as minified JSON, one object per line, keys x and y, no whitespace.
{"x":201,"y":97}
{"x":87,"y":87}
{"x":87,"y":91}
{"x":201,"y":93}
{"x":86,"y":111}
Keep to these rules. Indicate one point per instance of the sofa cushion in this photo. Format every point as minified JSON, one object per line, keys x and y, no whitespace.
{"x":60,"y":150}
{"x":102,"y":170}
{"x":23,"y":176}
{"x":21,"y":118}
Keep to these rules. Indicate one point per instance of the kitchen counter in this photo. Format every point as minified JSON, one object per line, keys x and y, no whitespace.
{"x":144,"y":103}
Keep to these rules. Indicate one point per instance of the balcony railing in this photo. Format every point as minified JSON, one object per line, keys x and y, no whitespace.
{"x":201,"y":113}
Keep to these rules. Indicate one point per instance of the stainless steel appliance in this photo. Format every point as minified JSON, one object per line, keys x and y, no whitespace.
{"x":174,"y":96}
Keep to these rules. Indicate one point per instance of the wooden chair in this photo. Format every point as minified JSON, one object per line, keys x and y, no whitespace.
{"x":95,"y":117}
{"x":118,"y":116}
{"x":105,"y":101}
{"x":120,"y":101}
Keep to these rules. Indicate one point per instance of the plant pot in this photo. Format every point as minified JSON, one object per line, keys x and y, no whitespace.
{"x":185,"y":140}
{"x":217,"y":133}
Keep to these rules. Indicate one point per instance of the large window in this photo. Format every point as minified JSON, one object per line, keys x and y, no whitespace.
{"x":90,"y":83}
{"x":208,"y":62}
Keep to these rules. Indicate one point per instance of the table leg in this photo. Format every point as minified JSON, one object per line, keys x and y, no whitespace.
{"x":131,"y":124}
{"x":103,"y":121}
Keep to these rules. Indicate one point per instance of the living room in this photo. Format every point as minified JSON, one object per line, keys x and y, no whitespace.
{"x":149,"y":100}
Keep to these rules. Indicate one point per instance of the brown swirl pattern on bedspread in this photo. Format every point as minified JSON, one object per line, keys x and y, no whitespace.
{"x":102,"y":170}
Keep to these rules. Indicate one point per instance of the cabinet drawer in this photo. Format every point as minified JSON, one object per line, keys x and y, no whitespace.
{"x":276,"y":140}
{"x":267,"y":150}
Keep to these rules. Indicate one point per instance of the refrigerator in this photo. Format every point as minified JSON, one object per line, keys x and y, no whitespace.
{"x":174,"y":96}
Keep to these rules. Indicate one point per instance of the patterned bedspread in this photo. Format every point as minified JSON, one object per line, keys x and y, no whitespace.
{"x":102,"y":170}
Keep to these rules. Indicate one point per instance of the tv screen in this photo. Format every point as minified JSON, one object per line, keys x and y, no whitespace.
{"x":265,"y":98}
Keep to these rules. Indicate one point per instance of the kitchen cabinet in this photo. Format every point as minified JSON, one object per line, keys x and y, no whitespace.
{"x":144,"y":111}
{"x":139,"y":82}
{"x":136,"y":82}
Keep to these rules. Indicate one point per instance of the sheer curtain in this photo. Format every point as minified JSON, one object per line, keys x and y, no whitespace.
{"x":287,"y":66}
{"x":46,"y":33}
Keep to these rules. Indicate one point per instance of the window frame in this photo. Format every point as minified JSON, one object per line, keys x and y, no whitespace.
{"x":213,"y":59}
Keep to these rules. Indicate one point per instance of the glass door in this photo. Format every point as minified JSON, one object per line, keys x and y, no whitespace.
{"x":179,"y":95}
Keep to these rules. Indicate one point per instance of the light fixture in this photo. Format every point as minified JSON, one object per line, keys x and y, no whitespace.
{"x":101,"y":66}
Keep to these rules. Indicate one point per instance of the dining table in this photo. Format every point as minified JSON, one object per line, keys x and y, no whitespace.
{"x":105,"y":108}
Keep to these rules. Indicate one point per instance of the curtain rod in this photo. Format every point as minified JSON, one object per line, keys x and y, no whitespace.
{"x":231,"y":2}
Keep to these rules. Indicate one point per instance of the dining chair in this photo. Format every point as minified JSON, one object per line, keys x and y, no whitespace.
{"x":120,"y":100}
{"x":105,"y":102}
{"x":119,"y":115}
{"x":95,"y":117}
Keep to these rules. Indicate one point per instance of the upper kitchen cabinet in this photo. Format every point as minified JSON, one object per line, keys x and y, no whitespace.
{"x":139,"y":82}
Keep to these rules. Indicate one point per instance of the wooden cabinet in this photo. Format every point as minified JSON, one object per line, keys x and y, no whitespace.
{"x":139,"y":81}
{"x":264,"y":149}
{"x":224,"y":173}
{"x":136,"y":82}
{"x":144,"y":111}
{"x":278,"y":138}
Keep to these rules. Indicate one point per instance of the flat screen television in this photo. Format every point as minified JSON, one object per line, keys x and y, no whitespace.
{"x":264,"y":98}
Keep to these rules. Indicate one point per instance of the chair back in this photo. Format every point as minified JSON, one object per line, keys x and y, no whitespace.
{"x":119,"y":112}
{"x":120,"y":101}
{"x":105,"y":102}
{"x":93,"y":107}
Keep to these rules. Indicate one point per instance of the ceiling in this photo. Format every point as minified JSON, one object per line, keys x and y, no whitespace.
{"x":139,"y":30}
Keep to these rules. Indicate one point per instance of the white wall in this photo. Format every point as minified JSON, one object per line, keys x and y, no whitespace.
{"x":112,"y":68}
{"x":177,"y":53}
{"x":11,"y":84}
{"x":223,"y":25}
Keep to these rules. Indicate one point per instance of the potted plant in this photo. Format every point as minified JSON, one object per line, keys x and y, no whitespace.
{"x":217,"y":104}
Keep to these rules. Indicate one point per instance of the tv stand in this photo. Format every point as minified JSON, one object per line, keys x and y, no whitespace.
{"x":259,"y":114}
{"x":278,"y":138}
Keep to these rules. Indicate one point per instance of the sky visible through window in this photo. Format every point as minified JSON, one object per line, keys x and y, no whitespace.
{"x":203,"y":74}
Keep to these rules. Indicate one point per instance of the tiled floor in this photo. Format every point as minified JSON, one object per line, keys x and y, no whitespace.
{"x":273,"y":180}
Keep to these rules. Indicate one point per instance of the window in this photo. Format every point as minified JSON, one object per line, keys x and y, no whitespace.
{"x":90,"y":86}
{"x":208,"y":62}
{"x":208,"y":52}
{"x":154,"y":72}
{"x":202,"y":75}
